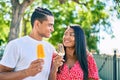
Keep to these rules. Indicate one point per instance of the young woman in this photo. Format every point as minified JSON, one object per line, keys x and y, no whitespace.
{"x":78,"y":63}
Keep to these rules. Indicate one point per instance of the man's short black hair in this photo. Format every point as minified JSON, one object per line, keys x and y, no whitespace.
{"x":40,"y":14}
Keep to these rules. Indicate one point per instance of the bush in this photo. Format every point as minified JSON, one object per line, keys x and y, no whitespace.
{"x":2,"y":50}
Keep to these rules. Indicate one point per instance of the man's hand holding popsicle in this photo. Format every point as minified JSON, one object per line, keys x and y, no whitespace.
{"x":37,"y":65}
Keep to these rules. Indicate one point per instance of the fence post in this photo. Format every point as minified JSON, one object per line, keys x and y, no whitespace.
{"x":114,"y":66}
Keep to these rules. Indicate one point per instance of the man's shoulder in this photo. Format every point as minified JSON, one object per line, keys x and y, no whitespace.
{"x":48,"y":44}
{"x":18,"y":40}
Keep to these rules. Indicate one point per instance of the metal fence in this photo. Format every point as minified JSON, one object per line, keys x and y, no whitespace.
{"x":108,"y":66}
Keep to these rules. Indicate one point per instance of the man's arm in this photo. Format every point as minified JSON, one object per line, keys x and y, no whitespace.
{"x":7,"y":73}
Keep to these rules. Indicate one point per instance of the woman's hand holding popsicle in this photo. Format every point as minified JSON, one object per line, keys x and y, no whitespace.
{"x":61,"y":51}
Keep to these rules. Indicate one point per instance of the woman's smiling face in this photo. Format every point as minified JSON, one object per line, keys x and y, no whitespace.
{"x":69,"y":38}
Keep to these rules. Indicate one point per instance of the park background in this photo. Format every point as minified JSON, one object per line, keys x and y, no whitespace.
{"x":100,"y":19}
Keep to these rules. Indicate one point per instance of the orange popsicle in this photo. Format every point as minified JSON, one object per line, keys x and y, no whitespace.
{"x":40,"y":51}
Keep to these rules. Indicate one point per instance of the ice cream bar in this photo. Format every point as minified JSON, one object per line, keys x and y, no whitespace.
{"x":40,"y":51}
{"x":61,"y":51}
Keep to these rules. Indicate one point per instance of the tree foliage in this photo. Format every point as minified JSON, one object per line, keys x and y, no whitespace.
{"x":4,"y":21}
{"x":18,"y":8}
{"x":89,"y":14}
{"x":117,"y":7}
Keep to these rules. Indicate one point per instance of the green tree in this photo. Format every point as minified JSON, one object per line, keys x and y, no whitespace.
{"x":117,"y":7}
{"x":4,"y":21}
{"x":89,"y":14}
{"x":18,"y":8}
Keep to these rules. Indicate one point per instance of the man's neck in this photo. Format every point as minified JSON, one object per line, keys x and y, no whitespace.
{"x":36,"y":37}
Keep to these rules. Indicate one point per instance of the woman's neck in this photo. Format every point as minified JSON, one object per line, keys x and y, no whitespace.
{"x":71,"y":57}
{"x":70,"y":54}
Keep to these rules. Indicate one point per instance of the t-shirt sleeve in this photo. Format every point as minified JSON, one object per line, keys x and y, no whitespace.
{"x":11,"y":55}
{"x":92,"y":68}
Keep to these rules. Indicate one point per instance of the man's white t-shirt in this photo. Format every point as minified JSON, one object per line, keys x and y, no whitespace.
{"x":19,"y":54}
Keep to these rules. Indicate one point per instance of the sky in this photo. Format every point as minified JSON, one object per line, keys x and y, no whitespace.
{"x":108,"y":45}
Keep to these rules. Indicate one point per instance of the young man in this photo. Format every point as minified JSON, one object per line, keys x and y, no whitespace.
{"x":20,"y":61}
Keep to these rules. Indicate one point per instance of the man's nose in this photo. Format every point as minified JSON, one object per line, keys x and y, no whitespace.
{"x":52,"y":29}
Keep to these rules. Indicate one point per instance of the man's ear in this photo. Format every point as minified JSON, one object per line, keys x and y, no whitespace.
{"x":36,"y":23}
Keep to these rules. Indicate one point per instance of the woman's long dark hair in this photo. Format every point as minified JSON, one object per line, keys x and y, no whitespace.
{"x":80,"y":50}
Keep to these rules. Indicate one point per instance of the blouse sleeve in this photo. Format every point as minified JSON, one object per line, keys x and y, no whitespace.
{"x":92,"y":68}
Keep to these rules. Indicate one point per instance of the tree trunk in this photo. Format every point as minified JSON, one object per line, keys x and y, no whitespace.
{"x":17,"y":13}
{"x":25,"y":27}
{"x":15,"y":23}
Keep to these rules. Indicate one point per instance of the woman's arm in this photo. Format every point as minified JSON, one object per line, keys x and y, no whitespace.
{"x":53,"y":73}
{"x":90,"y":79}
{"x":93,"y":70}
{"x":56,"y":63}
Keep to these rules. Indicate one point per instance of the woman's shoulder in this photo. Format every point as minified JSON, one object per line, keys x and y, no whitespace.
{"x":89,"y":54}
{"x":90,"y":57}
